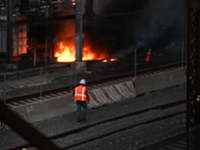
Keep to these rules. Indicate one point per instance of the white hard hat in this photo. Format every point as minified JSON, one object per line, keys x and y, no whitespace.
{"x":82,"y":81}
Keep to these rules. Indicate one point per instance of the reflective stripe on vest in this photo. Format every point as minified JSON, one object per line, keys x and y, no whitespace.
{"x":80,"y":94}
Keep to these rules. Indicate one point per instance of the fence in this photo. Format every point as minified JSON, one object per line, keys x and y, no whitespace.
{"x":39,"y":80}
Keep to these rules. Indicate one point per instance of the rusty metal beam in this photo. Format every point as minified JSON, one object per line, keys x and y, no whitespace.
{"x":25,"y":129}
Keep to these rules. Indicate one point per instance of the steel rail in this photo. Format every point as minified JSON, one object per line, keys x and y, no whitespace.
{"x":66,"y":90}
{"x":82,"y":128}
{"x":123,"y":129}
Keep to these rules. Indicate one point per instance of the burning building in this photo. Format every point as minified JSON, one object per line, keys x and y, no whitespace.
{"x":64,"y":49}
{"x":46,"y":31}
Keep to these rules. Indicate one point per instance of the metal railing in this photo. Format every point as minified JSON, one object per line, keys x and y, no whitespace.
{"x":68,"y":76}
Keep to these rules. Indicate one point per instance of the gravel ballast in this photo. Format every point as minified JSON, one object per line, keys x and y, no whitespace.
{"x":130,"y":139}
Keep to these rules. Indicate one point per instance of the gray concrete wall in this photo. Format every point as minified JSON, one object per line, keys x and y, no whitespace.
{"x":46,"y":108}
{"x":161,"y":80}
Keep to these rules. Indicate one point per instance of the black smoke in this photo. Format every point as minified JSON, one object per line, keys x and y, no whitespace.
{"x":126,"y":25}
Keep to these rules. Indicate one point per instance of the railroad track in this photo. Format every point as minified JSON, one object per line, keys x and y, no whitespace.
{"x":178,"y":142}
{"x":108,"y":127}
{"x":91,"y":85}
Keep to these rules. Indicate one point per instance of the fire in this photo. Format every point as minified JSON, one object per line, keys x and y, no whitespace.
{"x":113,"y":59}
{"x":66,"y":53}
{"x":107,"y":60}
{"x":65,"y":50}
{"x":88,"y":54}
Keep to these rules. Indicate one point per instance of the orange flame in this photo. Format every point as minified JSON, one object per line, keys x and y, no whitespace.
{"x":113,"y":59}
{"x":107,"y":60}
{"x":65,"y":49}
{"x":67,"y":54}
{"x":88,"y":55}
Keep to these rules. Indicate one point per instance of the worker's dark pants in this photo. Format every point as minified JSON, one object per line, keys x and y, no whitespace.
{"x":81,"y":110}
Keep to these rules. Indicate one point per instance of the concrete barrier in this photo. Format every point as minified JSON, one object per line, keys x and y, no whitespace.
{"x":45,"y":109}
{"x":112,"y":93}
{"x":160,"y":80}
{"x":49,"y":108}
{"x":103,"y":95}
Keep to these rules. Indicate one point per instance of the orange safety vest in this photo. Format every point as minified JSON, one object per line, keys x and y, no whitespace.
{"x":80,"y":93}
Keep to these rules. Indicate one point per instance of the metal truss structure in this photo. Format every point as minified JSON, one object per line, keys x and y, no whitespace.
{"x":25,"y":129}
{"x":193,"y":72}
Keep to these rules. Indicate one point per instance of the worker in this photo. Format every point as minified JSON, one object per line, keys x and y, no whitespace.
{"x":81,"y":98}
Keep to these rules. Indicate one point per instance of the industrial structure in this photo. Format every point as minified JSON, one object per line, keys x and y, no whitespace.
{"x":25,"y":27}
{"x":20,"y":41}
{"x":193,"y":78}
{"x":37,"y":31}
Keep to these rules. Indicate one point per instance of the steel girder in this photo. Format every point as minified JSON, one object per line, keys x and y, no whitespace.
{"x":193,"y":72}
{"x":193,"y":66}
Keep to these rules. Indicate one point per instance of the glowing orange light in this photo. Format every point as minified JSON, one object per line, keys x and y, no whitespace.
{"x":87,"y":54}
{"x":65,"y":49}
{"x":113,"y":59}
{"x":73,"y":2}
{"x":105,"y":60}
{"x":67,"y":54}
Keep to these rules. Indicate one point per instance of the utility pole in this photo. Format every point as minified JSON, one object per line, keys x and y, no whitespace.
{"x":79,"y":29}
{"x":79,"y":64}
{"x":9,"y":31}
